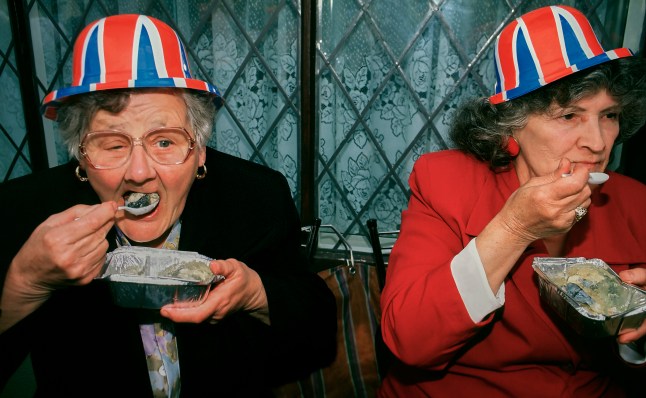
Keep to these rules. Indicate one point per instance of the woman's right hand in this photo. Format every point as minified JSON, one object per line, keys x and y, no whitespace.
{"x":544,"y":206}
{"x":541,"y":208}
{"x":68,"y":248}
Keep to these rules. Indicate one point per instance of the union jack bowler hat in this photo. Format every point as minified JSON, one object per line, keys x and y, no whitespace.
{"x":127,"y":51}
{"x":543,"y":46}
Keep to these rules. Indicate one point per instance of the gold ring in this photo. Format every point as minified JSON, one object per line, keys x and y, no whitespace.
{"x":579,"y":213}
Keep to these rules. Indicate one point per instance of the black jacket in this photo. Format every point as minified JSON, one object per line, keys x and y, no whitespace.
{"x":83,"y":345}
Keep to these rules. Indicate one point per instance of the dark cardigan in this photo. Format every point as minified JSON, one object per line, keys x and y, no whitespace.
{"x":83,"y":345}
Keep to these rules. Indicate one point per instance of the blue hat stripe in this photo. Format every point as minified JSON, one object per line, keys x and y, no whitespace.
{"x":145,"y":57}
{"x":573,"y":47}
{"x":155,"y":60}
{"x":525,"y":59}
{"x":586,"y":63}
{"x":92,"y":65}
{"x":185,"y":68}
{"x":164,"y":82}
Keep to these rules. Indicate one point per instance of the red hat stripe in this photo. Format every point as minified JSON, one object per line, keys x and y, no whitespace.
{"x":507,"y":61}
{"x":110,"y":85}
{"x":116,"y":68}
{"x":587,"y":39}
{"x":170,"y":48}
{"x":620,"y":53}
{"x":545,"y":45}
{"x":127,"y":51}
{"x":195,"y":84}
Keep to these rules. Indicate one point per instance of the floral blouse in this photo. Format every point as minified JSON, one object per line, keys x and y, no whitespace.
{"x":160,"y":344}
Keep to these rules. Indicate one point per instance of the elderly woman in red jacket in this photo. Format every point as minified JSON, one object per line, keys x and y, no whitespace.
{"x":461,"y":305}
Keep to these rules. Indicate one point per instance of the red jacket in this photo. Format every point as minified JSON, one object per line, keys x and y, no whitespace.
{"x":523,"y":349}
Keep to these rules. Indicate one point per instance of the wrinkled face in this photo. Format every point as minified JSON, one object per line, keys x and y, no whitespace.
{"x":140,"y":173}
{"x":584,"y":133}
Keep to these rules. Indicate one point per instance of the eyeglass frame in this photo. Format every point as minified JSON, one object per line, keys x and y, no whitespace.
{"x":137,"y":141}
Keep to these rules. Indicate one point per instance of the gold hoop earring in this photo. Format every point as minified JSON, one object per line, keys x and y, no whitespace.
{"x":199,"y":175}
{"x":80,"y":177}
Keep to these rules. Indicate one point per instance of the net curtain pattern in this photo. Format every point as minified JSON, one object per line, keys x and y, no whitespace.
{"x":389,"y":75}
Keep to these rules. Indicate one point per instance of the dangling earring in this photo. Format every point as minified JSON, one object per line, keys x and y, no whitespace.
{"x":199,"y":175}
{"x":79,"y":176}
{"x":513,"y":149}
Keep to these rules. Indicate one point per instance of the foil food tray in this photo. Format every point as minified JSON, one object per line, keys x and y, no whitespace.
{"x":148,"y":278}
{"x":619,"y":306}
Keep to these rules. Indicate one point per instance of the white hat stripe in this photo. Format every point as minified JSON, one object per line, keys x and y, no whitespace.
{"x":501,"y":79}
{"x":101,"y":28}
{"x":185,"y":68}
{"x":179,"y":82}
{"x":515,"y":54}
{"x":98,"y":64}
{"x":533,"y":61}
{"x":559,"y":29}
{"x":576,"y":28}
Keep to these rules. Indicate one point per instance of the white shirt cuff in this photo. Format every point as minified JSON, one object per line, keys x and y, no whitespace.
{"x":471,"y":281}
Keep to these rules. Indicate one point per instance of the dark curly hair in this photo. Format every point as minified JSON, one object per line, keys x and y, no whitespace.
{"x":482,"y":129}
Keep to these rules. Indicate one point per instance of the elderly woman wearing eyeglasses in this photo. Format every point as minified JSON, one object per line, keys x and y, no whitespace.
{"x":138,"y":124}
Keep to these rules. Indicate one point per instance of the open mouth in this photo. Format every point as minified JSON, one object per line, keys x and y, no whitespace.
{"x":139,"y":203}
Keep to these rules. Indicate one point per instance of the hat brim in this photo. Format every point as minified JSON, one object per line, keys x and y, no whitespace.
{"x":53,"y":100}
{"x":528,"y":87}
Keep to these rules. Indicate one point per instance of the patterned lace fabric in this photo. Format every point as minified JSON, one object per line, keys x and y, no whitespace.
{"x":159,"y":340}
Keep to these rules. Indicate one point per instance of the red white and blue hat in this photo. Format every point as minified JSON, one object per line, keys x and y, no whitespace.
{"x":127,"y":51}
{"x":543,"y":46}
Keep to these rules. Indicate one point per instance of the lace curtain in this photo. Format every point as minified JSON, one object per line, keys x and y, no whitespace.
{"x":387,"y":98}
{"x":392,"y":74}
{"x":389,"y":75}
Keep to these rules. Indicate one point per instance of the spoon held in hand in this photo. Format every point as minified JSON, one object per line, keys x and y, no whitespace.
{"x":138,"y":203}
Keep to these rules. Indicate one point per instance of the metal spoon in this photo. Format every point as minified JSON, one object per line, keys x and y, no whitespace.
{"x":598,"y":178}
{"x":594,"y":178}
{"x":140,"y":203}
{"x":138,"y":211}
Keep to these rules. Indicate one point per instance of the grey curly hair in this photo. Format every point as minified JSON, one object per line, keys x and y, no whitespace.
{"x":76,"y":113}
{"x":483,"y":129}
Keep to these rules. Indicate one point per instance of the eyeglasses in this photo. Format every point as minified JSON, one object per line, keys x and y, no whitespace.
{"x":111,"y":149}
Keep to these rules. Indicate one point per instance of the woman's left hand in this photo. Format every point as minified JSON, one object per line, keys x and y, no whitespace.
{"x":637,"y":277}
{"x":241,"y":290}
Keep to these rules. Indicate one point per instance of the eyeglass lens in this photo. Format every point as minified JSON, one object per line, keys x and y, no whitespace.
{"x":110,"y":149}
